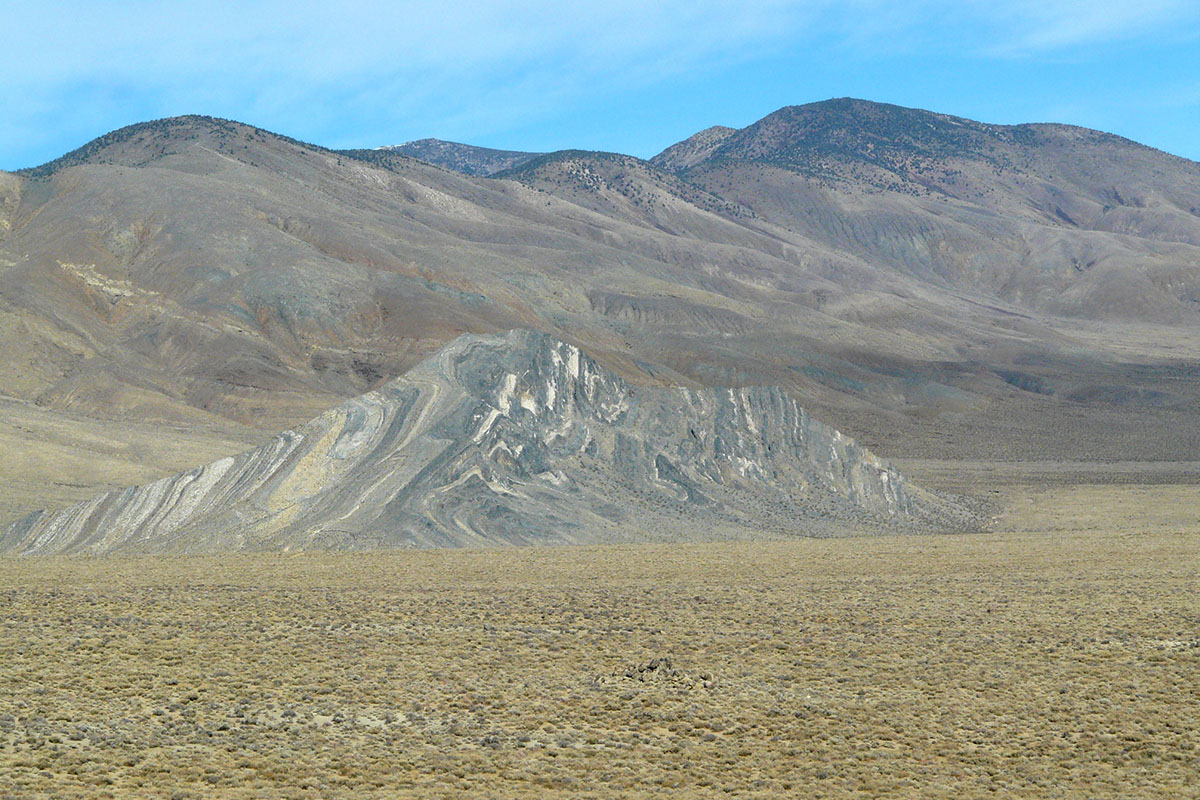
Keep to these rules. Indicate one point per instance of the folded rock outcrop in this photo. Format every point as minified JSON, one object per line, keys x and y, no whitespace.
{"x":514,"y":439}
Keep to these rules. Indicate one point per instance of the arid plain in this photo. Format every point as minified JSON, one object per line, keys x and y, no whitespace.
{"x":1054,"y":656}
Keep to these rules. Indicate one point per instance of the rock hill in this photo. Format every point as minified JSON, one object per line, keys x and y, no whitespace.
{"x":511,"y":439}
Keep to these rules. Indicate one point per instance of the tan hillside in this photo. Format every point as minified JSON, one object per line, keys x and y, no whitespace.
{"x":932,"y":286}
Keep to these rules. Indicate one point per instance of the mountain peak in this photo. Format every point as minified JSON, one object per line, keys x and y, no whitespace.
{"x":146,"y":142}
{"x":824,"y":138}
{"x":849,"y":128}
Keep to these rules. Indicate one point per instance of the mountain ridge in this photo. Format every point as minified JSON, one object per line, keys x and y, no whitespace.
{"x":107,"y":148}
{"x":465,"y":158}
{"x":855,"y":122}
{"x":206,"y":275}
{"x":694,"y":149}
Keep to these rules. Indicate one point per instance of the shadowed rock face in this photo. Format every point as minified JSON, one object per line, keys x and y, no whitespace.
{"x":511,"y":439}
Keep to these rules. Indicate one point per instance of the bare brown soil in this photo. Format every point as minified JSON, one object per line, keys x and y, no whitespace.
{"x":1055,"y":657}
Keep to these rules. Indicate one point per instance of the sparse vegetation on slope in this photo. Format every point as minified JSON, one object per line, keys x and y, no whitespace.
{"x":203,"y":274}
{"x":150,"y":141}
{"x":464,"y":158}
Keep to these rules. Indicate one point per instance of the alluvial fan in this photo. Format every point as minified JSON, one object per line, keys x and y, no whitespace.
{"x":512,"y":439}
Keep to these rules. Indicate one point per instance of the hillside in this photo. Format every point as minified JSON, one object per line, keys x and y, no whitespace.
{"x":629,"y":189}
{"x":1054,"y":219}
{"x":204,"y":278}
{"x":694,"y":149}
{"x":465,"y":158}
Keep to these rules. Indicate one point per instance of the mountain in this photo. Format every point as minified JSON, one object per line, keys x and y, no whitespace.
{"x":10,"y":197}
{"x":1051,"y":218}
{"x":694,"y":149}
{"x":511,"y":439}
{"x":202,"y":281}
{"x":628,"y":189}
{"x":464,"y":158}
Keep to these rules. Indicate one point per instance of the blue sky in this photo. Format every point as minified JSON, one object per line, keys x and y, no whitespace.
{"x":617,"y":75}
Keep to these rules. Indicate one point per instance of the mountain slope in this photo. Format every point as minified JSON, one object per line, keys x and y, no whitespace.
{"x":465,"y":158}
{"x":693,"y":150}
{"x":1055,"y":219}
{"x":208,"y":277}
{"x":627,"y":188}
{"x":516,"y":439}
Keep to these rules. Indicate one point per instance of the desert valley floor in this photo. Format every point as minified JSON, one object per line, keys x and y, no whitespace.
{"x":1054,"y":656}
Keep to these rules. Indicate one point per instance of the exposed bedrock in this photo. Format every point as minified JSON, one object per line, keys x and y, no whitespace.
{"x":512,"y":439}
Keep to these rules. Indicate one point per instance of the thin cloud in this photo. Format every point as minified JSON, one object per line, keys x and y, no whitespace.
{"x":1031,"y":27}
{"x":267,"y":56}
{"x":429,"y":67}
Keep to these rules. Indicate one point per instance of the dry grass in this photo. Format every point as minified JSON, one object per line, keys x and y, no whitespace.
{"x":1055,"y":658}
{"x":52,"y":459}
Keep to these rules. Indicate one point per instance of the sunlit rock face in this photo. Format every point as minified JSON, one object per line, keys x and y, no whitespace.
{"x":513,"y":439}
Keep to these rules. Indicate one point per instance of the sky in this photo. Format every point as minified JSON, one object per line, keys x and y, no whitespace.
{"x":630,"y":76}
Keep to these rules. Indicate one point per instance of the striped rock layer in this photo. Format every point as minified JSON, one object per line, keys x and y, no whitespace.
{"x":513,"y":439}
